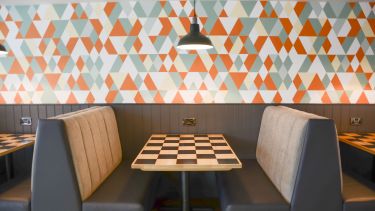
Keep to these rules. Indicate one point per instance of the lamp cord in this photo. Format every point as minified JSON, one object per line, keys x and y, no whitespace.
{"x":195,"y":15}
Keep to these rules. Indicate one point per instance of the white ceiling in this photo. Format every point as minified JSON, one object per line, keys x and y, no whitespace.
{"x":7,"y":2}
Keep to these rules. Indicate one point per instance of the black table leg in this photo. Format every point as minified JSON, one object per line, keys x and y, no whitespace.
{"x":8,"y":166}
{"x":185,"y":190}
{"x":373,"y":169}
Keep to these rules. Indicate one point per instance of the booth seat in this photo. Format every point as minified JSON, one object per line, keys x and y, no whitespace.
{"x":78,"y":165}
{"x":297,"y":166}
{"x":357,"y":196}
{"x":15,"y":195}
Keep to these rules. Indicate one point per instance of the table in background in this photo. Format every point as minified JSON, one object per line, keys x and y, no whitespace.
{"x":361,"y":141}
{"x":10,"y":143}
{"x":184,"y":153}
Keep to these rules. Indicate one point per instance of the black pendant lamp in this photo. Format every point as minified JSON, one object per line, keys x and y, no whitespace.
{"x":195,"y":40}
{"x":3,"y":50}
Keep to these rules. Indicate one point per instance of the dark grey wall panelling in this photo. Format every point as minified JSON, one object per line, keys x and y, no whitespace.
{"x":239,"y":122}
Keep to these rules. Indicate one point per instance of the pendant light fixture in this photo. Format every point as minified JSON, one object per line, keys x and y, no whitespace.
{"x":3,"y":50}
{"x":195,"y":40}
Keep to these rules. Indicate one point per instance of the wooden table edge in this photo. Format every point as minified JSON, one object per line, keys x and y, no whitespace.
{"x":357,"y":146}
{"x":223,"y":167}
{"x":16,"y":149}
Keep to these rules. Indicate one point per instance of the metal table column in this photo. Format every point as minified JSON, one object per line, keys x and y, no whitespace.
{"x":8,"y":166}
{"x":185,"y":190}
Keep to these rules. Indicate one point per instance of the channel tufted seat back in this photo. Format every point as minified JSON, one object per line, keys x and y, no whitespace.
{"x":298,"y":151}
{"x":94,"y":144}
{"x":74,"y":154}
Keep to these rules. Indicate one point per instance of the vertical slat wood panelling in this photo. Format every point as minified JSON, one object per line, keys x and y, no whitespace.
{"x":2,"y":119}
{"x":240,"y":123}
{"x":210,"y":117}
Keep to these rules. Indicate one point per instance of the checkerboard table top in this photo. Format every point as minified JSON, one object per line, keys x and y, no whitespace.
{"x":186,"y":152}
{"x":362,"y":141}
{"x":12,"y":142}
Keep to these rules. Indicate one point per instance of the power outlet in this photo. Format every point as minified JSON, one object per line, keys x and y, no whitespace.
{"x":355,"y":121}
{"x":189,"y":121}
{"x":25,"y":121}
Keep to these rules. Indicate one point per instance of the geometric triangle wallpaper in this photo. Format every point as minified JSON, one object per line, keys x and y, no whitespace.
{"x":125,"y":52}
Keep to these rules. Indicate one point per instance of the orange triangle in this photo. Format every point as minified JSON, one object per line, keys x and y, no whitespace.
{"x":307,"y":30}
{"x":149,"y":83}
{"x":72,"y":99}
{"x":336,"y":83}
{"x":258,"y":98}
{"x":325,"y":29}
{"x":198,"y":65}
{"x":299,"y":96}
{"x":128,"y":84}
{"x":277,"y":98}
{"x":16,"y":68}
{"x":238,"y":78}
{"x":203,"y":87}
{"x":50,"y":31}
{"x":82,"y":83}
{"x":223,"y":14}
{"x":178,"y":98}
{"x":109,"y":7}
{"x":316,"y":84}
{"x":2,"y":101}
{"x":172,"y":14}
{"x":223,"y":87}
{"x":90,"y":98}
{"x":325,"y":98}
{"x":182,"y":87}
{"x":269,"y":83}
{"x":362,"y":99}
{"x":218,"y":29}
{"x":117,"y":30}
{"x":111,"y":96}
{"x":158,"y":98}
{"x":138,"y":98}
{"x":18,"y":99}
{"x":344,"y":98}
{"x":52,"y":79}
{"x":136,"y":29}
{"x":32,"y":32}
{"x":198,"y":98}
{"x":21,"y":88}
{"x":36,"y":17}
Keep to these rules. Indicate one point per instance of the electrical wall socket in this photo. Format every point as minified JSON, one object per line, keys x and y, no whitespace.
{"x":25,"y":121}
{"x":355,"y":121}
{"x":189,"y":121}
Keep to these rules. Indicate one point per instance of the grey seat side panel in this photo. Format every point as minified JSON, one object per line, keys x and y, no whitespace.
{"x":318,"y":182}
{"x":53,"y":181}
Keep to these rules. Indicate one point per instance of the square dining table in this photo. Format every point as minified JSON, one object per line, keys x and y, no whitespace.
{"x":10,"y":143}
{"x":185,"y":153}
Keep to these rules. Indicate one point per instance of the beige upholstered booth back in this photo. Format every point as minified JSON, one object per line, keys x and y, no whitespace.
{"x":281,"y":138}
{"x":95,"y":146}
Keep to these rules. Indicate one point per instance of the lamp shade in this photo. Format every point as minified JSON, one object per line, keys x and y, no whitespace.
{"x":194,"y":40}
{"x":3,"y":51}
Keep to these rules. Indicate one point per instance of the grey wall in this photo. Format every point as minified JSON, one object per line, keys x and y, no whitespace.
{"x":238,"y":122}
